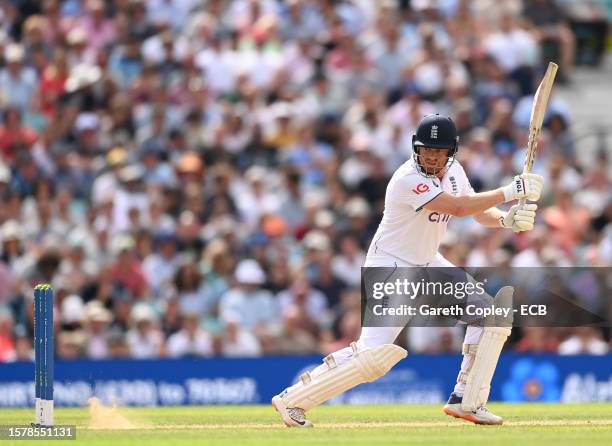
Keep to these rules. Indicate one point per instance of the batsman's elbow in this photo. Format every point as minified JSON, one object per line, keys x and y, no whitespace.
{"x":461,"y":212}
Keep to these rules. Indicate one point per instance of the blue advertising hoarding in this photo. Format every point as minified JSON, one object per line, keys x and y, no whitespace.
{"x":417,"y":379}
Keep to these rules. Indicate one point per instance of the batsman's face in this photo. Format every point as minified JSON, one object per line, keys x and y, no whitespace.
{"x":433,"y":160}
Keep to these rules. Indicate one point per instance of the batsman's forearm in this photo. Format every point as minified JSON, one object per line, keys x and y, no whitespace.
{"x":465,"y":205}
{"x":491,"y":218}
{"x":477,"y":203}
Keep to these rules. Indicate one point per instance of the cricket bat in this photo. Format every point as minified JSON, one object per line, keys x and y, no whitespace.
{"x":538,"y":109}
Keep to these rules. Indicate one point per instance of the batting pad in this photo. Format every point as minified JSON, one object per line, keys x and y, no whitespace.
{"x":364,"y":365}
{"x":479,"y":378}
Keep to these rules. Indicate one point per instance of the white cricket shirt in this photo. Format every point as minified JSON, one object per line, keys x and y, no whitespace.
{"x":407,"y":230}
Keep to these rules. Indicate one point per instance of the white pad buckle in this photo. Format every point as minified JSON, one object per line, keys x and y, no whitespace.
{"x":305,"y":377}
{"x":330,"y":361}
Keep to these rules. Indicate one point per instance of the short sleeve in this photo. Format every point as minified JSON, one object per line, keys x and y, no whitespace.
{"x":464,"y":181}
{"x":468,"y":190}
{"x":416,"y":191}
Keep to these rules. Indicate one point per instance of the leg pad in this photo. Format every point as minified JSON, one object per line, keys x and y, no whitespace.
{"x":364,"y":365}
{"x":480,"y":374}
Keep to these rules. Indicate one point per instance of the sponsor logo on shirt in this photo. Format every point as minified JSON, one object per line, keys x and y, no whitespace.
{"x":420,"y":188}
{"x":436,"y":217}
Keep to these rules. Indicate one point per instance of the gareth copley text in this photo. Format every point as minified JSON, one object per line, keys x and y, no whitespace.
{"x":458,"y":311}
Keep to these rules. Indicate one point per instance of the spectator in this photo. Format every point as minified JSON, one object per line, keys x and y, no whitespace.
{"x":350,"y":328}
{"x":71,"y":344}
{"x":347,"y":264}
{"x":126,"y":62}
{"x":100,"y":30}
{"x":292,"y":337}
{"x":127,"y":270}
{"x":191,"y":294}
{"x":548,"y":24}
{"x":72,"y":310}
{"x":217,"y":265}
{"x":23,"y":344}
{"x":53,"y":82}
{"x":79,"y":53}
{"x":238,"y":341}
{"x":107,"y":183}
{"x":17,"y":82}
{"x":18,"y":261}
{"x":566,"y":229}
{"x":247,"y":304}
{"x":130,"y":203}
{"x":191,"y":340}
{"x":514,"y":50}
{"x":76,"y":268}
{"x":308,"y":300}
{"x":14,"y":136}
{"x":161,"y":266}
{"x":97,"y":320}
{"x":117,"y":345}
{"x":585,"y":340}
{"x":144,"y":339}
{"x":8,"y":352}
{"x":537,"y":340}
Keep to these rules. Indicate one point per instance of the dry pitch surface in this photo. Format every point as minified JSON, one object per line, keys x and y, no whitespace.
{"x":526,"y":424}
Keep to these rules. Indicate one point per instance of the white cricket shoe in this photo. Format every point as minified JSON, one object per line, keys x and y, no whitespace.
{"x":292,"y":416}
{"x":481,"y":415}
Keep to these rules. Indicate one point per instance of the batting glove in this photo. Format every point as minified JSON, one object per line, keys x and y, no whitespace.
{"x":520,"y":218}
{"x":526,"y":185}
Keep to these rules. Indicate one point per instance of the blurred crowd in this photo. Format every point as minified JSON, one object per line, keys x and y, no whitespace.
{"x":203,"y":177}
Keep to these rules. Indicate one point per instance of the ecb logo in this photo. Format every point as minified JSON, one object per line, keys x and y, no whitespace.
{"x":434,"y":132}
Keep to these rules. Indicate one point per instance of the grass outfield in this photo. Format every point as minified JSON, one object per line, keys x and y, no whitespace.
{"x":525,"y":424}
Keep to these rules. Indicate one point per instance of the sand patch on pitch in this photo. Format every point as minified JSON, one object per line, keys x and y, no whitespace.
{"x":102,"y":417}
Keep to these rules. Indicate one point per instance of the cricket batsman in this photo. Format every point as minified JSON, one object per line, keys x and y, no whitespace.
{"x":421,"y":196}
